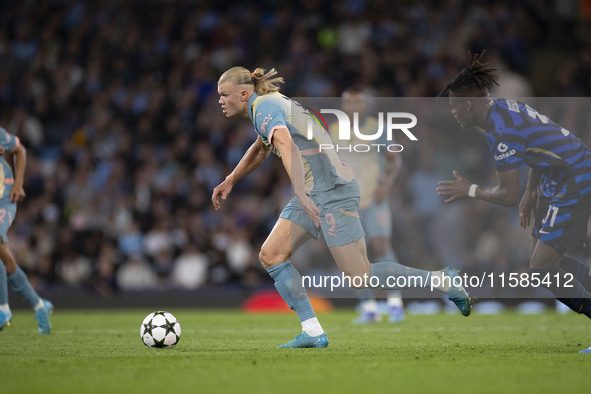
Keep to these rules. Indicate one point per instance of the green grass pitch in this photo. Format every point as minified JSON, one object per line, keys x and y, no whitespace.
{"x":227,"y":351}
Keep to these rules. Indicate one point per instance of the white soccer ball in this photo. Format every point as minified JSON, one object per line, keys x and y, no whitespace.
{"x":160,"y":329}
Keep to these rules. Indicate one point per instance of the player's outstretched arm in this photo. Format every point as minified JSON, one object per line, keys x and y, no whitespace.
{"x":506,"y":193}
{"x":292,"y":161}
{"x":254,"y":156}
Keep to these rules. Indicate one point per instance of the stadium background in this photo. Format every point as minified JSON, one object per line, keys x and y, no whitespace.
{"x":116,"y":103}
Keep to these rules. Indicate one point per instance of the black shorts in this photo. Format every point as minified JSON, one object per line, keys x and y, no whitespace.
{"x":562,"y":226}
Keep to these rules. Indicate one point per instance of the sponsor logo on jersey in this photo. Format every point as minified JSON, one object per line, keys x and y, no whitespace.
{"x":504,"y":152}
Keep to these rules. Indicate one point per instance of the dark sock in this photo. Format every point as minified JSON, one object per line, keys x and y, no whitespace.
{"x":576,"y":297}
{"x":578,"y":269}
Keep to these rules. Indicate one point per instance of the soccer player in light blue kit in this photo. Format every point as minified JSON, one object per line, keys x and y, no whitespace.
{"x":11,"y":191}
{"x":326,"y":199}
{"x":375,"y":171}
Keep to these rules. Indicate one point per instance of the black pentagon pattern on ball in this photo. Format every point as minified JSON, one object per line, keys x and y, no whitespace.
{"x":169,"y":327}
{"x":159,"y":344}
{"x":148,"y":327}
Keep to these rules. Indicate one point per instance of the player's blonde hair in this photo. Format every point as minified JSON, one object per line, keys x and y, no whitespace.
{"x":263,"y":82}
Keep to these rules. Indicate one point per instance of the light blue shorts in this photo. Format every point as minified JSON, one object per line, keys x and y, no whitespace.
{"x":7,"y":214}
{"x":377,"y":220}
{"x":338,"y":211}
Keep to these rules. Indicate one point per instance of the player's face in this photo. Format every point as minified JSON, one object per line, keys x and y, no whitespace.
{"x":461,"y":109}
{"x":233,"y":99}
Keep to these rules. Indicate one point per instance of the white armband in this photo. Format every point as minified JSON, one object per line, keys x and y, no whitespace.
{"x":472,"y":190}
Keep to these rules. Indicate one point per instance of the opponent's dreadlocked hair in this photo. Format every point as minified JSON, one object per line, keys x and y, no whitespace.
{"x":476,"y":76}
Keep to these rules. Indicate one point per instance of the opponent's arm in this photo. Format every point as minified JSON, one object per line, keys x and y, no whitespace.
{"x":529,"y":200}
{"x":505,"y":193}
{"x":254,"y":156}
{"x":292,"y":162}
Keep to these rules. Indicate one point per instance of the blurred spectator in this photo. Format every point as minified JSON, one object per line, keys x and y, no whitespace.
{"x":136,"y":274}
{"x":190,"y":269}
{"x":74,"y":269}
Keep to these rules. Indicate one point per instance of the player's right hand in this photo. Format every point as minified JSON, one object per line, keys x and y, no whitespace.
{"x":17,"y":193}
{"x":311,"y":209}
{"x":220,"y":192}
{"x":455,"y":190}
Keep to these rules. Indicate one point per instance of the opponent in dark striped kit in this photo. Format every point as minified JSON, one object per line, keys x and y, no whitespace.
{"x":558,"y":191}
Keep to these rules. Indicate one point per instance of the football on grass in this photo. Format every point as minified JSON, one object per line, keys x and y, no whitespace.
{"x":160,"y":330}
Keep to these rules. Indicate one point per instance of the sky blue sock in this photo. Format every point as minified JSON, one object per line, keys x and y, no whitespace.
{"x":394,"y":276}
{"x":367,"y":294}
{"x":20,"y":284}
{"x":389,"y":257}
{"x":288,"y":281}
{"x":3,"y":286}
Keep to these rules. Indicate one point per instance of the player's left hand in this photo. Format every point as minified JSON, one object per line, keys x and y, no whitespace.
{"x":527,"y":207}
{"x":456,"y":189}
{"x":17,"y":193}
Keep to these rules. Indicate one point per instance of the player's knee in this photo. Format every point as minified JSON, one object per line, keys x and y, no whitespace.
{"x":265,"y":258}
{"x":9,"y":263}
{"x":269,"y":257}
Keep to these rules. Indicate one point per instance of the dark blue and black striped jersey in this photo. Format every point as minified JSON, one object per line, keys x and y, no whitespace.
{"x":517,"y":134}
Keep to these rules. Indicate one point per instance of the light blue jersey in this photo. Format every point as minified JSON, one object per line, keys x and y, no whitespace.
{"x":7,"y":208}
{"x":323,"y":170}
{"x":8,"y":142}
{"x":330,"y":183}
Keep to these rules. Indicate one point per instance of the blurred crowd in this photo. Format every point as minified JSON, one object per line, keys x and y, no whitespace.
{"x":116,"y":103}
